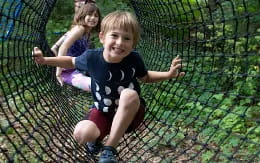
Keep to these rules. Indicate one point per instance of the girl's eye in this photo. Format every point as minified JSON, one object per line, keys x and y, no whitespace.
{"x":127,"y":38}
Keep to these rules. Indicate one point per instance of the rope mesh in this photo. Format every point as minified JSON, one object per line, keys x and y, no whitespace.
{"x":210,"y":115}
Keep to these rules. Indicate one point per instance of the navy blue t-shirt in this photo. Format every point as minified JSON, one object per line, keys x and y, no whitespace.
{"x":109,"y":79}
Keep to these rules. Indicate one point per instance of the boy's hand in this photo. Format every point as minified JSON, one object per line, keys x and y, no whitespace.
{"x":38,"y":56}
{"x":175,"y":68}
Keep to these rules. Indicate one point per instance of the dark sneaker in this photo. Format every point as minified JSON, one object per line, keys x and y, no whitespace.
{"x":108,"y":155}
{"x":94,"y":148}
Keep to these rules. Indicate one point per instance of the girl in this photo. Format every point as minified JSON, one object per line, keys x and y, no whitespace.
{"x":75,"y":42}
{"x":77,"y":5}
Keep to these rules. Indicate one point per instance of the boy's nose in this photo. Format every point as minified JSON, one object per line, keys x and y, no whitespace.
{"x":119,"y":40}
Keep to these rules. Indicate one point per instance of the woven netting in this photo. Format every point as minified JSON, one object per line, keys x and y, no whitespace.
{"x":212,"y":114}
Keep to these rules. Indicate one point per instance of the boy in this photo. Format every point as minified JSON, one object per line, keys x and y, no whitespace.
{"x":114,"y":70}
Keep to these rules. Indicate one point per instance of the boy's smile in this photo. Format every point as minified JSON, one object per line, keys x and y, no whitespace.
{"x":117,"y":44}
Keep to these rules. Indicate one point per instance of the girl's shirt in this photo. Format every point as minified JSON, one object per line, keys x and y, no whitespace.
{"x":79,"y":47}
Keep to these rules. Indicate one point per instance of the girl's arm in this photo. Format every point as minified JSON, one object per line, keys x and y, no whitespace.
{"x":156,"y":76}
{"x":74,"y":34}
{"x":56,"y":46}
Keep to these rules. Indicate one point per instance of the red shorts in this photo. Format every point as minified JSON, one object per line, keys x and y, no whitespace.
{"x":104,"y":120}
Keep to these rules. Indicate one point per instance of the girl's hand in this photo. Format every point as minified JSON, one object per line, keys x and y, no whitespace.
{"x":38,"y":56}
{"x":175,"y":68}
{"x":58,"y":75}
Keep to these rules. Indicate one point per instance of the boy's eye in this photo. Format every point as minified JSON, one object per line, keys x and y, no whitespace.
{"x":113,"y":35}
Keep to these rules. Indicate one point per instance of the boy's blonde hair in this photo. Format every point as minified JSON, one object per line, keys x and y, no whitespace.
{"x":83,"y":11}
{"x":121,"y":20}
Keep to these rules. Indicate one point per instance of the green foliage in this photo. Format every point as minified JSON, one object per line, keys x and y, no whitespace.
{"x":6,"y":127}
{"x":206,"y":156}
{"x":60,"y":20}
{"x":110,"y":6}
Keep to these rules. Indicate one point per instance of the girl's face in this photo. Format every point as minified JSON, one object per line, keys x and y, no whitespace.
{"x":92,"y":19}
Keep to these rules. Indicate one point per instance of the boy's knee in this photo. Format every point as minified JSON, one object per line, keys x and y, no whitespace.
{"x":78,"y":135}
{"x":129,"y":97}
{"x":86,"y":131}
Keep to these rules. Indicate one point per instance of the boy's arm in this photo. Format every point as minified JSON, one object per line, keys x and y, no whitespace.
{"x":60,"y":61}
{"x":156,"y":76}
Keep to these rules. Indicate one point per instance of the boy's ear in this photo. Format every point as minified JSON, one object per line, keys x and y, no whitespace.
{"x":101,"y":37}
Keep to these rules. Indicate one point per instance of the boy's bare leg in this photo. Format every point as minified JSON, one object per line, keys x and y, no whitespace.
{"x":86,"y":131}
{"x":128,"y":106}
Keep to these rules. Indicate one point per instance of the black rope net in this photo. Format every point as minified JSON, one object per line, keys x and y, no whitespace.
{"x":210,"y":115}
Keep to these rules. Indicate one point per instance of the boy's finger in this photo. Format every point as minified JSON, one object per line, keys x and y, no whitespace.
{"x":33,"y":54}
{"x":177,"y":58}
{"x":181,"y":74}
{"x":36,"y":51}
{"x":176,"y":62}
{"x":178,"y":66}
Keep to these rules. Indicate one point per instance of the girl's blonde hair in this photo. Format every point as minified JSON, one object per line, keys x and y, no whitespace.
{"x":83,"y":11}
{"x":121,"y":20}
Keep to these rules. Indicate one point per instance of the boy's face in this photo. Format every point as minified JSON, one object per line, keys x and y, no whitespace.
{"x":117,"y":44}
